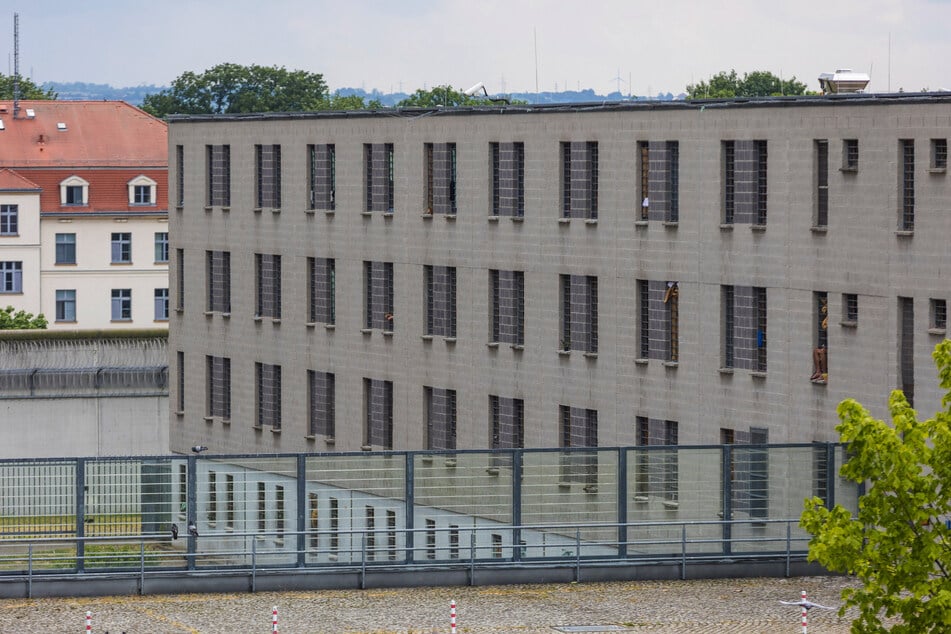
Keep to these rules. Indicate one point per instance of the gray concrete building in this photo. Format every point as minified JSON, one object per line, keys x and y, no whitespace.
{"x":590,"y":275}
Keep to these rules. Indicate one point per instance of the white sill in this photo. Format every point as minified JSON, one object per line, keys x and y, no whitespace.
{"x":517,"y":219}
{"x":758,"y":228}
{"x":849,"y":169}
{"x":671,"y":504}
{"x":758,"y":374}
{"x":937,"y":331}
{"x":937,"y":170}
{"x":849,"y":323}
{"x":330,"y":327}
{"x":427,"y":216}
{"x":387,"y":333}
{"x":493,"y":218}
{"x":726,"y":226}
{"x":450,"y":340}
{"x":671,"y":364}
{"x":517,"y":347}
{"x":388,"y":214}
{"x":820,"y":229}
{"x":590,"y":355}
{"x":725,"y":371}
{"x":641,"y":499}
{"x":276,"y":210}
{"x":180,"y":413}
{"x":591,"y":221}
{"x":366,"y":331}
{"x":449,"y":217}
{"x":426,"y":337}
{"x":366,"y":214}
{"x":311,"y":324}
{"x":905,"y":233}
{"x":329,"y":212}
{"x":564,"y":353}
{"x":492,"y":344}
{"x":640,"y":223}
{"x":564,"y":221}
{"x":641,"y":361}
{"x":672,"y":224}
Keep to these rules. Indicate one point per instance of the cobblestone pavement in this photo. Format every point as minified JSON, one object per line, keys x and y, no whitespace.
{"x":749,"y":606}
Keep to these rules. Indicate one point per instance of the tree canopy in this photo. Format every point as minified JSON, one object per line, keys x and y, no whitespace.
{"x":759,"y":83}
{"x":899,"y":546}
{"x":232,"y":88}
{"x":13,"y":319}
{"x":444,"y":96}
{"x":28,"y":90}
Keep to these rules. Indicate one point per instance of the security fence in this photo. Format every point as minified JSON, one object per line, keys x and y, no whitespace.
{"x":412,"y":509}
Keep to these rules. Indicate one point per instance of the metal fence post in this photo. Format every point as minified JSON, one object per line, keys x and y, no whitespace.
{"x":517,"y":504}
{"x":831,"y":473}
{"x":410,"y":508}
{"x":301,"y":509}
{"x":191,"y":510}
{"x":622,"y":502}
{"x":80,"y":514}
{"x":726,"y":477}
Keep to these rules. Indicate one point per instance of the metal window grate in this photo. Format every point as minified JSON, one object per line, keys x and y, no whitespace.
{"x":907,"y":185}
{"x":822,"y":183}
{"x":729,"y":181}
{"x":761,"y":182}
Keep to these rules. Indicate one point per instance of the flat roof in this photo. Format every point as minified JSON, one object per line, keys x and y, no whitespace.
{"x":850,"y":99}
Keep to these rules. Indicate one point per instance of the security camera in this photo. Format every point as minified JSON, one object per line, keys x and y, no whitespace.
{"x":480,"y":86}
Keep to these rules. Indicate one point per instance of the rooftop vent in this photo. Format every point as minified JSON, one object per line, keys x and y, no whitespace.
{"x":30,"y":113}
{"x":843,"y":80}
{"x":61,"y":126}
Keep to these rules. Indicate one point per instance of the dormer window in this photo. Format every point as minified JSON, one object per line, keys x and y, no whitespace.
{"x":142,"y":191}
{"x":74,"y":191}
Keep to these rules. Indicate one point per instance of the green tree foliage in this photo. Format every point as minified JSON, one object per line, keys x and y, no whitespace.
{"x":12,"y":319}
{"x":759,"y":83}
{"x":445,"y":96}
{"x":232,"y":88}
{"x":899,"y":546}
{"x":28,"y":90}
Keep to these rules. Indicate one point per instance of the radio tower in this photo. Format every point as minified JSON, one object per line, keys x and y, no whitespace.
{"x":16,"y":65}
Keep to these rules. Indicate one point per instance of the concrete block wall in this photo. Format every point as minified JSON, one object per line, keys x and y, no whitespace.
{"x":860,"y":252}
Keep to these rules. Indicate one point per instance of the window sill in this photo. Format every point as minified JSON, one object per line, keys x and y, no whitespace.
{"x":179,"y":207}
{"x":366,"y":214}
{"x":449,"y":217}
{"x":849,"y":323}
{"x":564,"y":221}
{"x":257,"y":428}
{"x":590,"y":488}
{"x":758,"y":374}
{"x":275,"y":210}
{"x":671,"y":364}
{"x":426,"y":215}
{"x":937,"y":331}
{"x":310,"y":212}
{"x":387,"y":333}
{"x":180,"y":414}
{"x":937,"y":170}
{"x":258,"y":319}
{"x":905,"y":233}
{"x":11,"y":235}
{"x":276,"y":321}
{"x":226,"y":208}
{"x":640,"y":223}
{"x":727,"y":371}
{"x":564,"y":485}
{"x":275,"y":430}
{"x":179,"y":310}
{"x":726,"y":226}
{"x":591,"y":221}
{"x":120,"y":321}
{"x":129,"y":263}
{"x":846,"y":169}
{"x":819,"y":229}
{"x":388,"y":214}
{"x":493,"y":471}
{"x":68,"y":263}
{"x":590,"y":355}
{"x":208,"y":419}
{"x":641,"y":499}
{"x":492,"y":344}
{"x":450,"y":341}
{"x":426,"y":337}
{"x":671,"y":224}
{"x":257,"y":210}
{"x":330,"y":327}
{"x":517,"y":219}
{"x":670,"y":504}
{"x":758,"y":228}
{"x":65,"y":321}
{"x":158,"y":320}
{"x":208,"y":208}
{"x":641,"y":361}
{"x":493,"y":218}
{"x":564,"y":353}
{"x":310,"y":324}
{"x":330,"y":212}
{"x":366,"y":448}
{"x":517,"y":347}
{"x":366,"y":331}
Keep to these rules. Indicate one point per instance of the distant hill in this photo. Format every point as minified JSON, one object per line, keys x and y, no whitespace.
{"x":77,"y":91}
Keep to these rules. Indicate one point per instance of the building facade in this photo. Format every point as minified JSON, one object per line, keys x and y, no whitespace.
{"x":84,"y":214}
{"x":571,"y":276}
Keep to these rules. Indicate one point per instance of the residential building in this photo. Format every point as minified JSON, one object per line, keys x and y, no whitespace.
{"x":572,"y":276}
{"x":84,"y":213}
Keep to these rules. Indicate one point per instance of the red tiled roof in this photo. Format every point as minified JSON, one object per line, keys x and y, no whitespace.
{"x":94,"y":134}
{"x":10,"y":180}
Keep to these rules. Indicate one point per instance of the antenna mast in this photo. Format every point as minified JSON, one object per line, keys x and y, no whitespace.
{"x":16,"y":65}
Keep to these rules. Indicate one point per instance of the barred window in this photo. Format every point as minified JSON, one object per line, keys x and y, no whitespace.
{"x":850,"y":155}
{"x":440,"y":159}
{"x":378,"y":161}
{"x":939,"y":154}
{"x":440,"y":406}
{"x":579,"y":313}
{"x":180,"y":175}
{"x":322,"y":285}
{"x":378,"y":287}
{"x":322,"y":410}
{"x":907,"y":191}
{"x":657,"y":471}
{"x":579,"y":428}
{"x":507,"y":425}
{"x":744,"y":327}
{"x":378,"y":407}
{"x":660,"y":180}
{"x":745,"y":192}
{"x":268,"y":395}
{"x":658,"y":319}
{"x":218,"y":389}
{"x":267,"y":161}
{"x":219,"y":175}
{"x":822,"y":183}
{"x":508,"y":306}
{"x":268,"y":285}
{"x":508,"y":179}
{"x":440,"y":283}
{"x":579,"y":161}
{"x":322,"y":177}
{"x":219,"y":281}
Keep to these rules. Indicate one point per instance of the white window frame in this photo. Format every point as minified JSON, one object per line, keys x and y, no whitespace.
{"x":142,"y":181}
{"x":73,"y":181}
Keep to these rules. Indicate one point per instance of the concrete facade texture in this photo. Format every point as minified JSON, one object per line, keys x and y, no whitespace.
{"x":863,"y":250}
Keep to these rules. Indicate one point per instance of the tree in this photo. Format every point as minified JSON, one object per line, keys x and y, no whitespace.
{"x":899,"y":546}
{"x":12,"y":319}
{"x":759,"y":83}
{"x":28,"y":90}
{"x":232,"y":88}
{"x":445,"y":96}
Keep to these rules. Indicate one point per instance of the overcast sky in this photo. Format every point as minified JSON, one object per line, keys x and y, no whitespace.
{"x":510,"y":45}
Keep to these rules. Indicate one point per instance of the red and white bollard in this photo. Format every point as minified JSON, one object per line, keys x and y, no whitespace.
{"x":88,"y":622}
{"x":805,"y":615}
{"x":452,"y":617}
{"x":274,"y":619}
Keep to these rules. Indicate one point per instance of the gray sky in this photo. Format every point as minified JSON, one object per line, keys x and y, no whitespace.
{"x":408,"y":44}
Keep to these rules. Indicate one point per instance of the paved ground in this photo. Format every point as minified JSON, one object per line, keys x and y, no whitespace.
{"x":750,"y":606}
